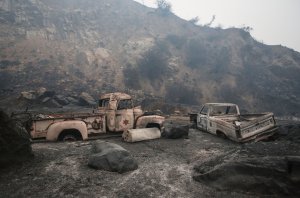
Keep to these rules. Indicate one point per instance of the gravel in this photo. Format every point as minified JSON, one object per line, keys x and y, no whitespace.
{"x":165,"y":168}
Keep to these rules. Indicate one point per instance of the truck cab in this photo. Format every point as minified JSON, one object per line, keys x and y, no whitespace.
{"x":222,"y":110}
{"x":121,"y":114}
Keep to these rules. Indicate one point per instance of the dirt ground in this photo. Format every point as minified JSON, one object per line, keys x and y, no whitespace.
{"x":165,"y":168}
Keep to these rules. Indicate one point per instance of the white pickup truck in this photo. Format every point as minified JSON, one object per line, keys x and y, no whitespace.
{"x":225,"y":120}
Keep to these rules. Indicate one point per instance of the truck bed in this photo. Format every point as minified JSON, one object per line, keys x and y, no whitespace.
{"x":65,"y":116}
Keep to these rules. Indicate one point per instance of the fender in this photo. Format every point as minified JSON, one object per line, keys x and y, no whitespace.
{"x":142,"y":121}
{"x":56,"y":128}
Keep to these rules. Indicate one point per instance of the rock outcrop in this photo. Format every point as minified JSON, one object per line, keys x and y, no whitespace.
{"x":272,"y":175}
{"x":15,"y":144}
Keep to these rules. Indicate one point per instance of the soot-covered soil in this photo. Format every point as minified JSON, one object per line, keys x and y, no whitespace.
{"x":166,"y":169}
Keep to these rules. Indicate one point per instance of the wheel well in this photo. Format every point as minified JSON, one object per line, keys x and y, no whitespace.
{"x":75,"y":132}
{"x":153,"y":125}
{"x":221,"y":134}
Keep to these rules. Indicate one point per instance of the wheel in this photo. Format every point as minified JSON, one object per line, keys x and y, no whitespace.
{"x":70,"y":135}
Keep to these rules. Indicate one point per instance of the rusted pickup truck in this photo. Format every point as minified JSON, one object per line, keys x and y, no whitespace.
{"x":115,"y":113}
{"x":225,"y":120}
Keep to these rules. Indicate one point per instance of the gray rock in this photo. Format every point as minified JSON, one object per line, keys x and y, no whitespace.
{"x":61,"y":100}
{"x":111,"y":157}
{"x":52,"y":103}
{"x":175,"y":131}
{"x":72,"y":100}
{"x":86,"y":99}
{"x":29,"y":95}
{"x":40,"y":91}
{"x":46,"y":100}
{"x":15,"y":144}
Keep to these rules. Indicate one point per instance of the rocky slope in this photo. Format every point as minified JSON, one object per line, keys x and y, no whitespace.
{"x":74,"y":46}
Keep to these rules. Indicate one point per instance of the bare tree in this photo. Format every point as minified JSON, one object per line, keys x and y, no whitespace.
{"x":194,"y":20}
{"x":247,"y":28}
{"x":164,"y":6}
{"x":211,"y":21}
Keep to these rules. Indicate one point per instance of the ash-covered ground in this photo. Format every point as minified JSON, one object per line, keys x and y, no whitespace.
{"x":166,"y":169}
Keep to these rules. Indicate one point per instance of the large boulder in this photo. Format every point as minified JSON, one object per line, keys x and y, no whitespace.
{"x":111,"y":157}
{"x":62,"y":100}
{"x":252,"y":175}
{"x":175,"y":131}
{"x":15,"y":144}
{"x":290,"y":132}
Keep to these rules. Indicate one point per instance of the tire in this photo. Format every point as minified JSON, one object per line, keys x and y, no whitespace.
{"x":69,"y":135}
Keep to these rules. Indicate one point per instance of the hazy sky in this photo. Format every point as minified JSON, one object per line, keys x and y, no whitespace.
{"x":273,"y":21}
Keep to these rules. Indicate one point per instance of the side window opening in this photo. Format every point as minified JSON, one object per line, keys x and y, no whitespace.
{"x":204,"y":110}
{"x":231,"y":110}
{"x":103,"y":102}
{"x":125,"y":104}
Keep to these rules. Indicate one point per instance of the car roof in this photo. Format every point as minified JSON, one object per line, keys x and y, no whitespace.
{"x":220,"y":104}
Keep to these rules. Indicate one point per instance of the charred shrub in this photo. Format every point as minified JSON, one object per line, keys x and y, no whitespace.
{"x":75,"y":70}
{"x":222,"y":60}
{"x":163,"y":7}
{"x":196,"y":53}
{"x":44,"y":62}
{"x":154,"y":63}
{"x":7,"y":17}
{"x":131,"y":78}
{"x":81,"y":59}
{"x":7,"y":63}
{"x":179,"y":93}
{"x":177,"y":41}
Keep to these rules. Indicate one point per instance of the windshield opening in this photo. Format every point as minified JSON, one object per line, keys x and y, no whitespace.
{"x":224,"y":110}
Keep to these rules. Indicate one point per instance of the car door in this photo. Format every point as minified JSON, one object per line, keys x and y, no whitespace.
{"x":202,"y":119}
{"x":124,"y":115}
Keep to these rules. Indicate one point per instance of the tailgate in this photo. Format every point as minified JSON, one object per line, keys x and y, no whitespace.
{"x":252,"y":129}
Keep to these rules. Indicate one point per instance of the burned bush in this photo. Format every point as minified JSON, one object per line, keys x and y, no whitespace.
{"x":179,"y":93}
{"x":7,"y":63}
{"x":131,"y":78}
{"x":177,"y":41}
{"x":196,"y":53}
{"x":154,"y":64}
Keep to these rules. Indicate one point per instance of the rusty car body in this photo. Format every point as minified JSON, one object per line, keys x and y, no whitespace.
{"x":115,"y":113}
